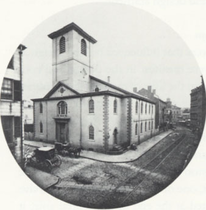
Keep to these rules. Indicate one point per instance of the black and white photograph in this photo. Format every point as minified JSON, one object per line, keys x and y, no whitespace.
{"x":103,"y":106}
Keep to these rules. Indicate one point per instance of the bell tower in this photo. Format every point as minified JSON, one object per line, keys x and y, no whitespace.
{"x":71,"y":57}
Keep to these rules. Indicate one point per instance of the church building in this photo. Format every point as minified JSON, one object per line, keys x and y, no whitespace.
{"x":84,"y":110}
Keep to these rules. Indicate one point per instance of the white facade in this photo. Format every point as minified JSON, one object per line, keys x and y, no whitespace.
{"x":85,"y":110}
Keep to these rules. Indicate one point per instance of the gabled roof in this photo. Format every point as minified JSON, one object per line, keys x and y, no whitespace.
{"x":82,"y":95}
{"x":127,"y":93}
{"x":69,"y":27}
{"x":55,"y":88}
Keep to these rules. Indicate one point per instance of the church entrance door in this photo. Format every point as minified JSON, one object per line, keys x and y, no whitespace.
{"x":62,"y":132}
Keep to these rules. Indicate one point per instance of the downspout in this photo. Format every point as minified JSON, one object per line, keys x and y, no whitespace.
{"x":80,"y":141}
{"x":139,"y":116}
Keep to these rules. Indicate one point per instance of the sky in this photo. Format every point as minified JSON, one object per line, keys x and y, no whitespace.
{"x":134,"y":48}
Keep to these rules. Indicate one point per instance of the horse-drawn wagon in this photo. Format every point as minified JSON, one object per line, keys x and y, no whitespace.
{"x":43,"y":158}
{"x":67,"y":149}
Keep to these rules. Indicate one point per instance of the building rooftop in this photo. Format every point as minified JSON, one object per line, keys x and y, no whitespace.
{"x":69,"y":27}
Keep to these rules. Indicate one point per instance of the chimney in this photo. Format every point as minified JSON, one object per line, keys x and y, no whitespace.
{"x":108,"y":79}
{"x":154,"y":92}
{"x":150,"y":89}
{"x":135,"y":89}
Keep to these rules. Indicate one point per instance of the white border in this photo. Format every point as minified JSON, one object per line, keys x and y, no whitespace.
{"x":186,"y":17}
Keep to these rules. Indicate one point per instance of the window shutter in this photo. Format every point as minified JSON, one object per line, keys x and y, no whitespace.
{"x":17,"y":91}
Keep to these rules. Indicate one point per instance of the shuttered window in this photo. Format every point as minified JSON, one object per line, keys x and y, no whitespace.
{"x":17,"y":91}
{"x":62,"y":45}
{"x":83,"y":47}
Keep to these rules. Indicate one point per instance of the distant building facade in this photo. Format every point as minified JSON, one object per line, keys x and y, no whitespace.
{"x":198,"y":108}
{"x":11,"y":96}
{"x":173,"y":112}
{"x":186,"y":114}
{"x":28,"y":112}
{"x":160,"y":105}
{"x":84,"y":110}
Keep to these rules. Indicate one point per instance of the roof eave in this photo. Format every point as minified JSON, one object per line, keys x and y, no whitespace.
{"x":69,"y":27}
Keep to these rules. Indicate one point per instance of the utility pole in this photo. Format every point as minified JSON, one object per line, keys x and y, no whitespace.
{"x":21,"y":48}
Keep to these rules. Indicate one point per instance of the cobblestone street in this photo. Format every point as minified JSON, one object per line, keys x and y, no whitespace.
{"x":96,"y":184}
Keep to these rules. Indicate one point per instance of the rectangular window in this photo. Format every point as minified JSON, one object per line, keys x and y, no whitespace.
{"x":141,"y":127}
{"x":6,"y":90}
{"x":17,"y":91}
{"x":17,"y":127}
{"x":141,"y":107}
{"x":136,"y":129}
{"x":145,"y":126}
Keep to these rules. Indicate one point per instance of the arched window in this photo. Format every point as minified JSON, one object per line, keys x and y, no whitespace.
{"x":136,"y":107}
{"x":115,"y":106}
{"x":83,"y":47}
{"x":145,"y":126}
{"x":41,"y":127}
{"x":141,"y":107}
{"x":141,"y":127}
{"x":62,"y":45}
{"x":41,"y":108}
{"x":136,"y":129}
{"x":62,"y":108}
{"x":91,"y":132}
{"x":91,"y":106}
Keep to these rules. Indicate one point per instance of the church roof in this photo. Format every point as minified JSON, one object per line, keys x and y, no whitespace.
{"x":107,"y":92}
{"x":69,"y":27}
{"x":55,"y":88}
{"x":127,"y":93}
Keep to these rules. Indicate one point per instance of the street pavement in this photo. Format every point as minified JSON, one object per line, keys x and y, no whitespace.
{"x":127,"y":156}
{"x":46,"y":180}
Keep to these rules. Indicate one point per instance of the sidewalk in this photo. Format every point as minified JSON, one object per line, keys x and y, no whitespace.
{"x":128,"y":156}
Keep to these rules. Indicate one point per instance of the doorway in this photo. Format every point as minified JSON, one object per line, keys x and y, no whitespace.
{"x":62,"y":132}
{"x":115,"y":135}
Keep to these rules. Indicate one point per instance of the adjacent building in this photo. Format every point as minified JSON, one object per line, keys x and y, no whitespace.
{"x":160,"y":105}
{"x":173,"y":112}
{"x":198,"y":108}
{"x":186,"y":114}
{"x":85,"y":110}
{"x":11,"y":97}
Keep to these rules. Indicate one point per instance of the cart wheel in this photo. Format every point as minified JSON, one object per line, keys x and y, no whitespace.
{"x":48,"y":165}
{"x":59,"y":160}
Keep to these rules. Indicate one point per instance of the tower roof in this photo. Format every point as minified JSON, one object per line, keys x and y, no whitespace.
{"x":69,"y":27}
